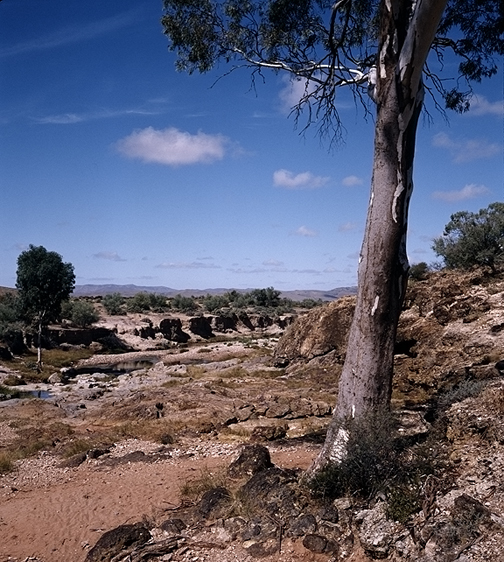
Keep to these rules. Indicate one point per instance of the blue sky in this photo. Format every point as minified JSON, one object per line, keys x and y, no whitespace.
{"x":135,"y":173}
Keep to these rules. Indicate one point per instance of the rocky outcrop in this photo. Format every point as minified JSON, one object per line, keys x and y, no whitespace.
{"x":171,"y":329}
{"x":450,"y":330}
{"x":200,"y":326}
{"x":321,"y":331}
{"x":458,"y":515}
{"x":78,"y":336}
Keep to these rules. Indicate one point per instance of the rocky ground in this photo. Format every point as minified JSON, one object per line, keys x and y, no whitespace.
{"x":157,"y":453}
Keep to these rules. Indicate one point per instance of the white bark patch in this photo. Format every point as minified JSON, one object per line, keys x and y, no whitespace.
{"x":339,"y":447}
{"x":395,"y":202}
{"x":383,"y":54}
{"x":375,"y":305}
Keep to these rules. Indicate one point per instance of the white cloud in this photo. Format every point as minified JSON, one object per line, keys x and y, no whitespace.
{"x":351,"y":181}
{"x":187,"y":265}
{"x":293,"y":91}
{"x":481,"y":106}
{"x":304,"y":231}
{"x":111,"y":256}
{"x":173,"y":147}
{"x":466,"y":150}
{"x":469,"y":191}
{"x":304,"y":180}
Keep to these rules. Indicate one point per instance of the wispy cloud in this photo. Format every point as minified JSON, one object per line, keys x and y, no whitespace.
{"x":347,"y":227}
{"x":273,"y":263}
{"x":305,"y":231}
{"x":351,"y":181}
{"x":466,"y":150}
{"x":481,"y":106}
{"x":469,"y":191}
{"x":187,"y":265}
{"x":304,"y":180}
{"x":73,"y":34}
{"x":172,"y":147}
{"x":71,"y":118}
{"x":111,"y":256}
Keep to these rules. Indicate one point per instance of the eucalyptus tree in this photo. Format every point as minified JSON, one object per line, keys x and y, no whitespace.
{"x":471,"y":239}
{"x":378,"y":48}
{"x":43,"y":282}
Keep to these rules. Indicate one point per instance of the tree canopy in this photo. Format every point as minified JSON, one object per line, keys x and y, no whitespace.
{"x":329,"y":44}
{"x":44,"y":281}
{"x":471,"y":239}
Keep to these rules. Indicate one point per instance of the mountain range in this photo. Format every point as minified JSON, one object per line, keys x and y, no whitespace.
{"x":130,"y":290}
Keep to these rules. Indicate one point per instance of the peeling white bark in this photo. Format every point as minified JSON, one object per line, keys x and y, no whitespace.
{"x":397,"y":194}
{"x":339,"y":446}
{"x":375,"y":308}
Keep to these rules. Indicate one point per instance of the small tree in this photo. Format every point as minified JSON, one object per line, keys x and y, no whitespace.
{"x":268,"y":297}
{"x":44,"y":281}
{"x":473,"y":239}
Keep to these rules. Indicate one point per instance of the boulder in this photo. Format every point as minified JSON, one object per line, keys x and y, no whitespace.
{"x":215,"y":503}
{"x":377,"y":534}
{"x":224,"y":323}
{"x":171,"y":328}
{"x":118,"y":541}
{"x":200,"y":326}
{"x":318,"y":332}
{"x":269,"y":432}
{"x":252,"y":459}
{"x":5,"y":353}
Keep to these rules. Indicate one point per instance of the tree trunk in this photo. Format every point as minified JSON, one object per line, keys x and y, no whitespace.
{"x":366,"y":380}
{"x":39,"y":348}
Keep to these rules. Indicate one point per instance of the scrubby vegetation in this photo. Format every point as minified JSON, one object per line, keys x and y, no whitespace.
{"x":81,"y":313}
{"x":114,"y":304}
{"x":381,"y":463}
{"x":471,"y":239}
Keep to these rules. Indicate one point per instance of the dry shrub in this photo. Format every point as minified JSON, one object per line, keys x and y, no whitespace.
{"x":206,"y":480}
{"x":76,"y":446}
{"x":379,"y":463}
{"x":195,"y":371}
{"x":493,"y":399}
{"x":157,"y":431}
{"x":6,"y":462}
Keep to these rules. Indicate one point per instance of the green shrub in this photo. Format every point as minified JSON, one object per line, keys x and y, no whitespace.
{"x":157,"y":303}
{"x":419,"y":271}
{"x":139,"y":302}
{"x":183,"y":304}
{"x":114,"y":304}
{"x":471,"y":239}
{"x":212,"y":303}
{"x":80,"y":312}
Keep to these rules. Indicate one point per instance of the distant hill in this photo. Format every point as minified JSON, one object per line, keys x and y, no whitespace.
{"x":130,"y":290}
